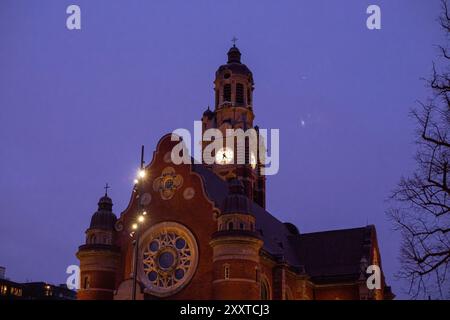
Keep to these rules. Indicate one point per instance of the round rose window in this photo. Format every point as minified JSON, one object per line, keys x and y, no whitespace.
{"x":169,"y":258}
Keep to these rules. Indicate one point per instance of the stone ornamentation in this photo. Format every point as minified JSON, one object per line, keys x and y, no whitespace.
{"x":169,"y":258}
{"x":168,"y":183}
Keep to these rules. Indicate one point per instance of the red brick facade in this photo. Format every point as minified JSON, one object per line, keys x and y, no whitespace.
{"x":197,"y":255}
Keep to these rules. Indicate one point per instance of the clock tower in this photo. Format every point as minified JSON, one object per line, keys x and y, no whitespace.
{"x":233,"y":109}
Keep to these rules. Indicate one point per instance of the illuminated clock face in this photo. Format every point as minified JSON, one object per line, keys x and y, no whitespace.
{"x":253,"y":160}
{"x":224,"y":156}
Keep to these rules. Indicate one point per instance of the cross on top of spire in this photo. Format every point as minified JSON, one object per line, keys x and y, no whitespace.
{"x":234,"y":41}
{"x":106,"y":187}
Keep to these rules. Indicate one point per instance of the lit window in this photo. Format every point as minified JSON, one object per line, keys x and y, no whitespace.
{"x":16,"y":291}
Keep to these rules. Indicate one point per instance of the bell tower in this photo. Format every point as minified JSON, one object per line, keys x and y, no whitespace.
{"x":233,"y":109}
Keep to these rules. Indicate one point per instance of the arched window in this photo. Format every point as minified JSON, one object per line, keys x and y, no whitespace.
{"x":241,"y":225}
{"x":239,"y":93}
{"x":226,"y":271}
{"x":265,"y":295}
{"x":86,"y":282}
{"x":249,"y":96}
{"x":227,"y":93}
{"x":93,"y":239}
{"x":230,"y":225}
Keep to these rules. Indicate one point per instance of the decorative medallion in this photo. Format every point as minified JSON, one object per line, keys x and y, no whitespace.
{"x":119,"y":226}
{"x":168,"y":183}
{"x":188,"y":193}
{"x":168,"y":157}
{"x":169,"y":258}
{"x":146,"y":198}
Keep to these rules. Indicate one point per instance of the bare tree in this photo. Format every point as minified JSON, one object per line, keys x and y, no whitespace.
{"x":421,"y":202}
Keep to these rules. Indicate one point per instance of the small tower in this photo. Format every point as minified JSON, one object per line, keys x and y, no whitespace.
{"x":99,"y":257}
{"x":236,"y":246}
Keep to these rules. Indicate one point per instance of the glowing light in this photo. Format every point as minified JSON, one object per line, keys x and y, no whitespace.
{"x":144,"y":213}
{"x":136,"y":181}
{"x":141,"y":219}
{"x":141,"y":173}
{"x":134,"y":226}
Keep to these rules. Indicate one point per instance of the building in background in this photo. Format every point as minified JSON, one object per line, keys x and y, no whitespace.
{"x":10,"y":290}
{"x":207,"y":233}
{"x":45,"y":291}
{"x":2,"y":272}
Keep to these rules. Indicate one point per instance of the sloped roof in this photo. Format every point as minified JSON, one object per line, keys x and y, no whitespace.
{"x":325,"y":256}
{"x":333,"y":254}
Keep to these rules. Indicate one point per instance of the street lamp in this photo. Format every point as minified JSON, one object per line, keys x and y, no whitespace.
{"x":135,"y":226}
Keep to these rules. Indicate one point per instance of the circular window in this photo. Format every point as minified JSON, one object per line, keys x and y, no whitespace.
{"x":169,"y":258}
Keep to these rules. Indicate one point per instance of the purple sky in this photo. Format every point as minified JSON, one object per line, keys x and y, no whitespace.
{"x":75,"y":106}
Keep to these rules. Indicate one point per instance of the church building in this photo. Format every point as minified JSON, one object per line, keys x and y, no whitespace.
{"x":202,"y":231}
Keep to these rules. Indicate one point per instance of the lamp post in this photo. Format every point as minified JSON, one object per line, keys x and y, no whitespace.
{"x":140,"y":219}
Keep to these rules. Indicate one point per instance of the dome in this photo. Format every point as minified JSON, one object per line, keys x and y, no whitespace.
{"x":234,"y":64}
{"x":234,"y":55}
{"x":208,"y":113}
{"x":105,"y":202}
{"x":103,"y":218}
{"x":236,"y":201}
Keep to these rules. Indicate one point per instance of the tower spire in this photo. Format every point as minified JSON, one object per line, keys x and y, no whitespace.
{"x":106,"y":187}
{"x":234,"y":41}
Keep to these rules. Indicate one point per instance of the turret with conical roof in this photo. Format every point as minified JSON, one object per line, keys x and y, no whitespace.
{"x":103,"y":219}
{"x":99,"y":256}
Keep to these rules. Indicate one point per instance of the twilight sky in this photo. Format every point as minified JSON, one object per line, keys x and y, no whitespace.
{"x":75,"y":106}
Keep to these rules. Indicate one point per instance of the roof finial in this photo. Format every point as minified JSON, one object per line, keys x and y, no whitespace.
{"x":234,"y":41}
{"x":106,"y":187}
